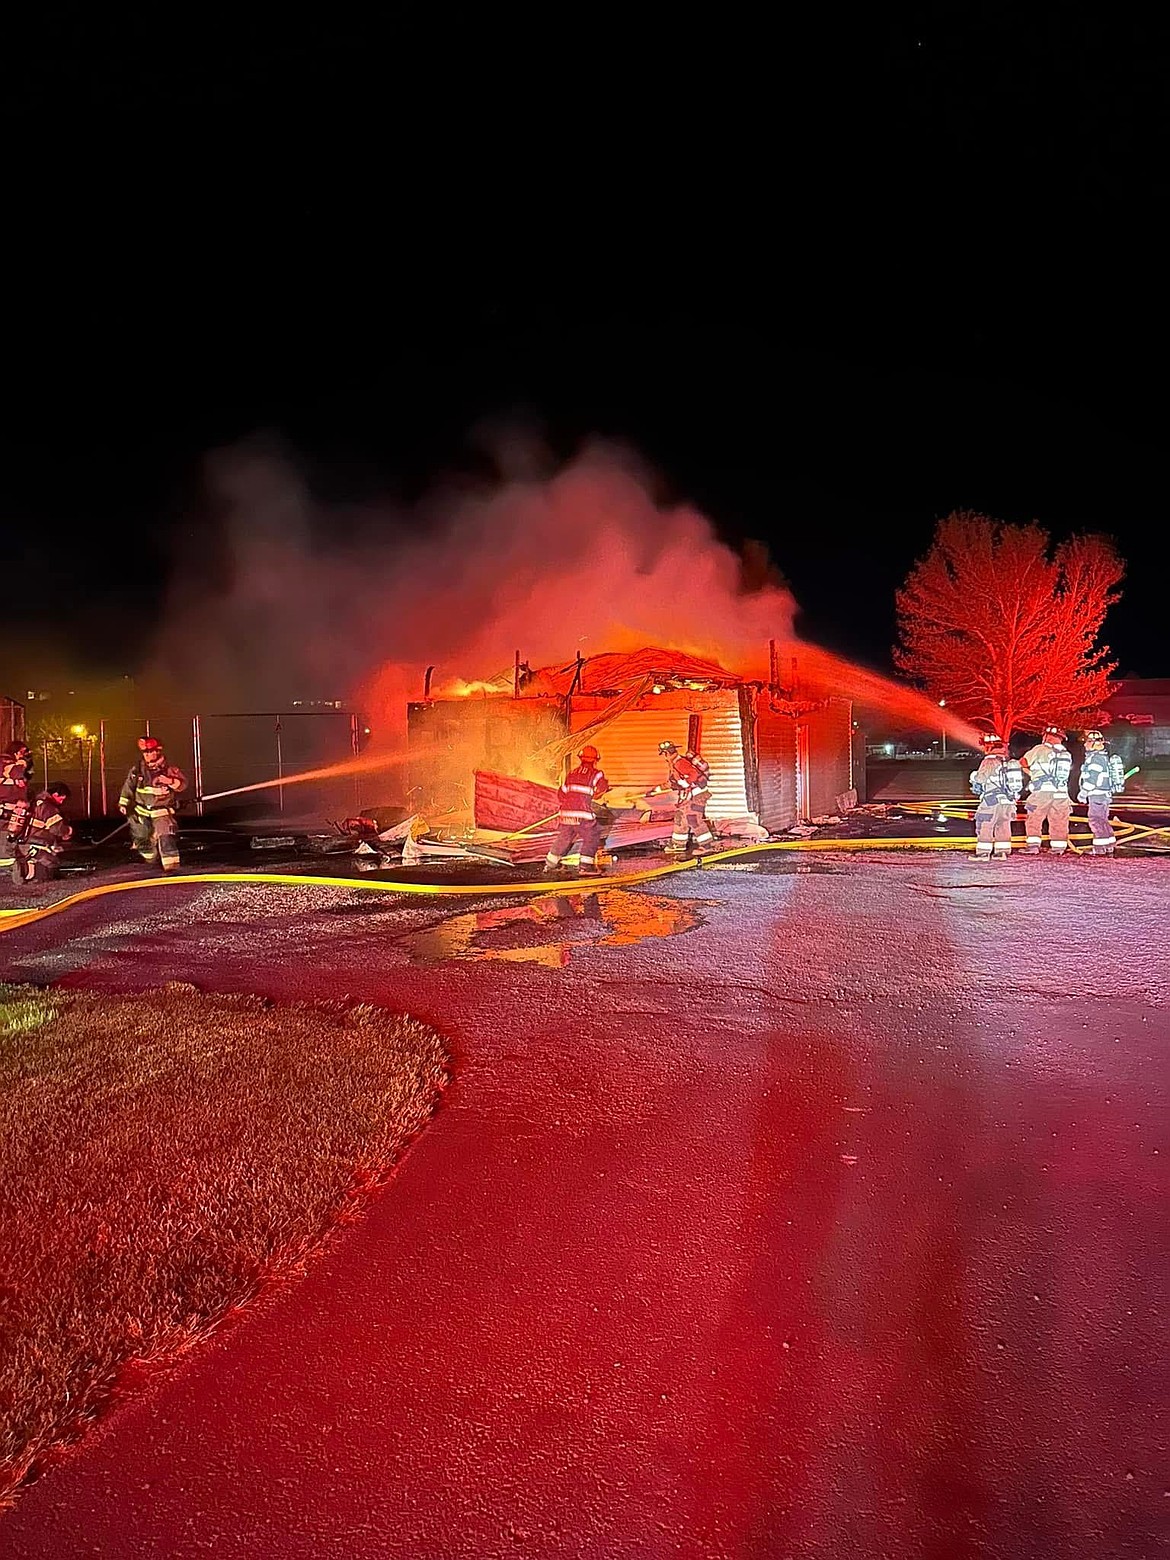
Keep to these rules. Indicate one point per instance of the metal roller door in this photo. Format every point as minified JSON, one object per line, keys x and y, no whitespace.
{"x":721,"y":744}
{"x":629,"y":744}
{"x":830,"y":747}
{"x":776,"y":757}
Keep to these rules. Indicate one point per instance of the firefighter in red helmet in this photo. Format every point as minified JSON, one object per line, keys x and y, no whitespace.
{"x":577,"y":821}
{"x":150,"y":799}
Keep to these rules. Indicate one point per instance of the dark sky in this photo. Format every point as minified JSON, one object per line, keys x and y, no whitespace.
{"x":834,"y":285}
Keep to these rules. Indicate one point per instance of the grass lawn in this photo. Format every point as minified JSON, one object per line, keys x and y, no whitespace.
{"x":162,"y":1156}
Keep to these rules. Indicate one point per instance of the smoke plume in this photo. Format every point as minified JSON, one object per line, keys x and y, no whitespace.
{"x":284,"y":597}
{"x":293,"y":599}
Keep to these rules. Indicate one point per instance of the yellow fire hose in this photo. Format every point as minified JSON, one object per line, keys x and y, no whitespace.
{"x":12,"y":920}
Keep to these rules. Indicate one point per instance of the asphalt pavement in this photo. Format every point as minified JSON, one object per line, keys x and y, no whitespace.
{"x":798,"y":1208}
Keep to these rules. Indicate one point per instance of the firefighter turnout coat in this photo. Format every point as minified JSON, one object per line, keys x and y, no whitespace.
{"x":584,"y":786}
{"x":14,"y":773}
{"x":152,"y":793}
{"x":690,"y":777}
{"x":38,"y":832}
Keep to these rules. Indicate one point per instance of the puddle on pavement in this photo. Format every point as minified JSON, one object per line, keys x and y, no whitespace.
{"x":776,"y":868}
{"x":547,"y":930}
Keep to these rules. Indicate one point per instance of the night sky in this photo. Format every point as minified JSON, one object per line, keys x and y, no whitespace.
{"x":833,"y":287}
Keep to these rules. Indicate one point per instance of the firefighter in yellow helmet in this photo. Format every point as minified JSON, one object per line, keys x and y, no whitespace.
{"x":689,"y":777}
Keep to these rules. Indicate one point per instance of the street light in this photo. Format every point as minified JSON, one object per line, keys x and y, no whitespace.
{"x":84,"y":752}
{"x":942,"y":704}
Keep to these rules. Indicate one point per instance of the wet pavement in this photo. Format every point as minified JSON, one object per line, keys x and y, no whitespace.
{"x":812,"y":1210}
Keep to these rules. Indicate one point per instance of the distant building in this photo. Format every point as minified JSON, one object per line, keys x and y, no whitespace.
{"x":1141,"y":704}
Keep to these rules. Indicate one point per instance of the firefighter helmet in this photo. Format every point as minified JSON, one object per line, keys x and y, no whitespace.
{"x":59,"y":788}
{"x":19,"y":749}
{"x":990,"y":740}
{"x":589,"y":753}
{"x":149,"y":745}
{"x":668,"y":747}
{"x":1054,"y":731}
{"x":1094,"y":738}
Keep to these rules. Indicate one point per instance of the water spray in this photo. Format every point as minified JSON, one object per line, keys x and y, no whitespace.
{"x":367,"y":764}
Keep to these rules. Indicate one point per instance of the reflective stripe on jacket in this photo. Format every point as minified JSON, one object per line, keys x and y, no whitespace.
{"x":47,"y":828}
{"x":998,"y":779}
{"x":13,"y":776}
{"x":584,"y":786}
{"x":144,"y":790}
{"x":1049,"y":768}
{"x":1097,"y":775}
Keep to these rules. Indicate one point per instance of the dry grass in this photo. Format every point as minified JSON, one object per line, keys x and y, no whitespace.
{"x":161,"y":1157}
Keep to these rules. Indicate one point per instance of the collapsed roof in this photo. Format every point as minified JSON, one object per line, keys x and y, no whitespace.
{"x":615,"y":671}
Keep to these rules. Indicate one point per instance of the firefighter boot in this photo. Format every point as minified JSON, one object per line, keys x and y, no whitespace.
{"x":20,"y":872}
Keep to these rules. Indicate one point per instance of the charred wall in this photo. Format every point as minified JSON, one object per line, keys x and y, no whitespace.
{"x":449,"y":739}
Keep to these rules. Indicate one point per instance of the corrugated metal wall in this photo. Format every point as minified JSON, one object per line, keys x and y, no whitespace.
{"x":629,"y":744}
{"x":830,"y":747}
{"x":721,"y":744}
{"x":776,"y":756}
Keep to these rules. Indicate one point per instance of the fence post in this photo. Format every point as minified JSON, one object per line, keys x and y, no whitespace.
{"x":197,"y":763}
{"x":279,"y":764}
{"x":102,"y":765}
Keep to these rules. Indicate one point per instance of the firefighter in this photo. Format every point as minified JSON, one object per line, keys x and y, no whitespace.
{"x":999,"y":784}
{"x":1048,"y":766}
{"x":1102,"y":778}
{"x":150,"y":799}
{"x":577,"y":821}
{"x":689,"y":779}
{"x":39,"y":833}
{"x":15,"y":774}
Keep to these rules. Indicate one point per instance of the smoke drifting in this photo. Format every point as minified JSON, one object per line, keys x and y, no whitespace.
{"x":294,"y":600}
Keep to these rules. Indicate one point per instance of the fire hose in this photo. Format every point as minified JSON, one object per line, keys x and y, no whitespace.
{"x":14,"y":919}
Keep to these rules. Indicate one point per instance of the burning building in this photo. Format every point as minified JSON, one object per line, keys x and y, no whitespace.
{"x":775,"y":757}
